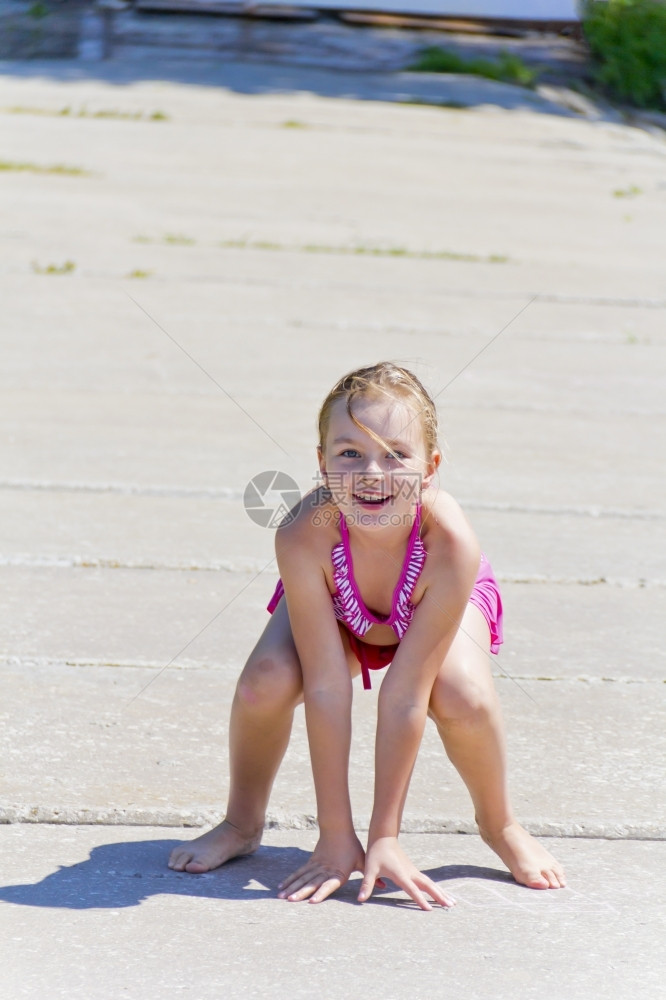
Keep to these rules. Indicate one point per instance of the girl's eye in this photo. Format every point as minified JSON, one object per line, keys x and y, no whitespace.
{"x":399,"y":455}
{"x":349,"y":453}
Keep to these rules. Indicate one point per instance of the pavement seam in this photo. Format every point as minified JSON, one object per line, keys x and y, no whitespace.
{"x":48,"y":663}
{"x":227,"y":493}
{"x":257,"y":566}
{"x":87,"y":663}
{"x":174,"y":818}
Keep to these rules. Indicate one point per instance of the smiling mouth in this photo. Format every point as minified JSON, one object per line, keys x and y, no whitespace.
{"x":368,"y":501}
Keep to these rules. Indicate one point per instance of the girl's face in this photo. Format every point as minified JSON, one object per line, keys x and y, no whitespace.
{"x":375,"y":487}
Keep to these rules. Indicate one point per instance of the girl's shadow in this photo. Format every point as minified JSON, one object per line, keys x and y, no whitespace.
{"x":125,"y":874}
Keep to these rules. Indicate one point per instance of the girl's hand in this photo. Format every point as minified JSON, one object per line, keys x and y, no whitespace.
{"x":386,"y":859}
{"x":334,"y":859}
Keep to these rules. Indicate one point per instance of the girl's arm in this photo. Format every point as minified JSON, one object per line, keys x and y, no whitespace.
{"x":402,"y":712}
{"x":327,"y":690}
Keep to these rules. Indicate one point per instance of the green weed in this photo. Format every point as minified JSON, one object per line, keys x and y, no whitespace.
{"x":630,"y":192}
{"x":38,"y":10}
{"x":365,"y":251}
{"x":59,"y":169}
{"x":421,"y":103}
{"x":138,"y":273}
{"x":508,"y":68}
{"x":178,"y":239}
{"x":172,"y":239}
{"x":106,"y":113}
{"x":111,"y":113}
{"x":627,"y":39}
{"x":67,"y":268}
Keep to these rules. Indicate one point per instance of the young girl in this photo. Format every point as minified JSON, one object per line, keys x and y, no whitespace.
{"x":378,"y":567}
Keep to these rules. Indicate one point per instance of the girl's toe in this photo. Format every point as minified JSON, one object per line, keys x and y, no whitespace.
{"x":554,"y":878}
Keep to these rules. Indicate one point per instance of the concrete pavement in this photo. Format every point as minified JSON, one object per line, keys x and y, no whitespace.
{"x":92,"y":911}
{"x":234,"y":244}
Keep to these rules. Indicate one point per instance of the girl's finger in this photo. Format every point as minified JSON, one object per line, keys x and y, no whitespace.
{"x":434,"y":891}
{"x":413,"y":890}
{"x":325,"y":890}
{"x":307,"y":886}
{"x":320,"y":882}
{"x":370,"y":880}
{"x":303,"y":893}
{"x":292,"y":885}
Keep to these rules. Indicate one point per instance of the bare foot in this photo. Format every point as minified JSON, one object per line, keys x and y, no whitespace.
{"x":212,"y":849}
{"x":529,"y":862}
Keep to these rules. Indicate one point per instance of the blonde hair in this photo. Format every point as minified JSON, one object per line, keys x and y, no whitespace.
{"x":386,"y":379}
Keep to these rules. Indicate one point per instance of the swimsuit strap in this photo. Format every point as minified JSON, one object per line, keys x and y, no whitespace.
{"x":347,"y":601}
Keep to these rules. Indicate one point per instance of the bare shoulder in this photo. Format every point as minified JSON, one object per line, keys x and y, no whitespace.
{"x":446,"y":533}
{"x":307,"y":536}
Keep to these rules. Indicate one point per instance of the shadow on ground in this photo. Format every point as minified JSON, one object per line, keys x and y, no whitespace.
{"x":125,"y":874}
{"x":253,"y":78}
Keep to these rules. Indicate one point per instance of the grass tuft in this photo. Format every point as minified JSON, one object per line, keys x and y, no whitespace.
{"x":105,"y":113}
{"x":507,"y":69}
{"x":58,"y":169}
{"x":630,"y":192}
{"x":67,"y":268}
{"x":366,"y":251}
{"x":172,"y":239}
{"x":178,"y":239}
{"x":38,"y":10}
{"x":627,"y":39}
{"x":420,"y":102}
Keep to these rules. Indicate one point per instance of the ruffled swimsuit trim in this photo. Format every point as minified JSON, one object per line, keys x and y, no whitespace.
{"x":351,"y":611}
{"x":348,"y":605}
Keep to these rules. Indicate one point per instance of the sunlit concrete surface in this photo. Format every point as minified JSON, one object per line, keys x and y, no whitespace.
{"x":191,"y":254}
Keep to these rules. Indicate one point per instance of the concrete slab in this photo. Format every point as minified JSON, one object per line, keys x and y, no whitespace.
{"x":135,"y":616}
{"x":94,"y":913}
{"x":144,"y":734}
{"x":511,"y":179}
{"x":152,"y":616}
{"x":361,"y":229}
{"x":208,"y":530}
{"x":108,"y":438}
{"x":436,"y":313}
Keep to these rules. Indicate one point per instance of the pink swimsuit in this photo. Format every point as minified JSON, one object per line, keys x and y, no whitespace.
{"x":350,"y":610}
{"x":348,"y":604}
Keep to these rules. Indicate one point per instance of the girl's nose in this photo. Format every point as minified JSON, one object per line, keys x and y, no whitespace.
{"x":372,"y":469}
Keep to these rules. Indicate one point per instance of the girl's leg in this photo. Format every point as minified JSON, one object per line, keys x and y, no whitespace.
{"x":465,"y":708}
{"x":267,"y":692}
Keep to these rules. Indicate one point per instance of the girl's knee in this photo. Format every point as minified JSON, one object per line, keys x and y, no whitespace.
{"x":270,"y":680}
{"x":462,"y":697}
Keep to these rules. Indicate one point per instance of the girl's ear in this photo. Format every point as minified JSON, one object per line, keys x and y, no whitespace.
{"x":322,"y":462}
{"x":431,"y":468}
